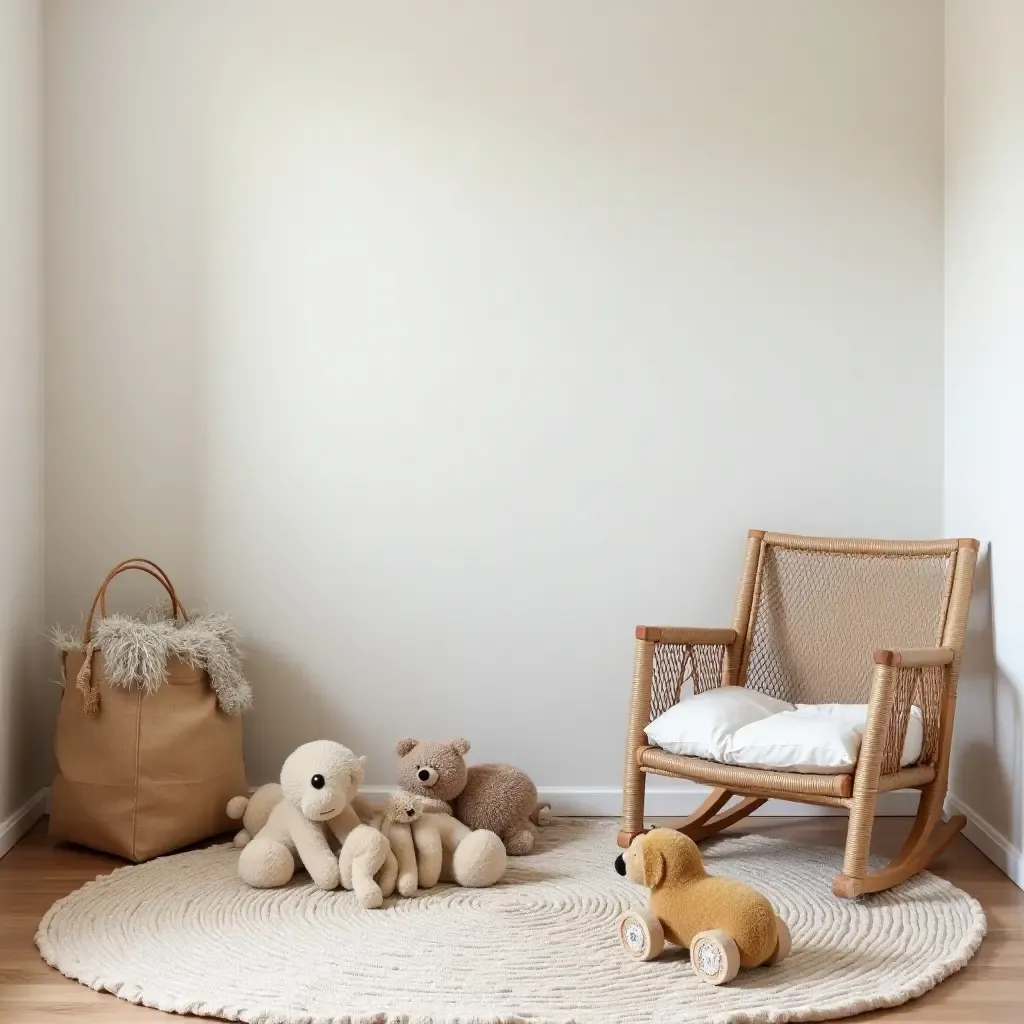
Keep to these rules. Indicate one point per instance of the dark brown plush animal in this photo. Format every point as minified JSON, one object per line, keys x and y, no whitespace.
{"x":725,"y":924}
{"x":496,"y":797}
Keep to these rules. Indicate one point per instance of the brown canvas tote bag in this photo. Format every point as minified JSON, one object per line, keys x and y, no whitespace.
{"x":140,"y":774}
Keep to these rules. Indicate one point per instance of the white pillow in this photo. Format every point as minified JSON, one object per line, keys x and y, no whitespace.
{"x":820,"y":739}
{"x":700,"y":725}
{"x":734,"y":725}
{"x":856,"y":717}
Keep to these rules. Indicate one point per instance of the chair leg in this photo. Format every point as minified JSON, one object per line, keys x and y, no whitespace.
{"x":634,"y":780}
{"x":865,"y":786}
{"x":929,"y":836}
{"x":858,"y":846}
{"x":634,"y":785}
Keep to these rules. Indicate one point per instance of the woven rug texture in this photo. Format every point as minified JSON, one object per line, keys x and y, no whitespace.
{"x":184,"y":934}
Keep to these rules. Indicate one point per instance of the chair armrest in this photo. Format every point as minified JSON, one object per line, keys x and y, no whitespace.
{"x":686,"y":635}
{"x":915,"y":657}
{"x":668,"y":652}
{"x":665,"y":655}
{"x":902,"y":677}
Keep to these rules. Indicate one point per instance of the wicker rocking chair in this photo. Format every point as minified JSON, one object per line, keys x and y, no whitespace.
{"x":821,"y":620}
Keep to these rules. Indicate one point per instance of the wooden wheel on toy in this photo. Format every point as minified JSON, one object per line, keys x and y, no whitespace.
{"x":785,"y":942}
{"x":641,"y":934}
{"x":714,"y":957}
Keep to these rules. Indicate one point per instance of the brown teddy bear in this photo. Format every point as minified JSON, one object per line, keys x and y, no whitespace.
{"x":725,"y":924}
{"x":496,"y":797}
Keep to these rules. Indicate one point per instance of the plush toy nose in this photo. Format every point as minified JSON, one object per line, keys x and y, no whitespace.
{"x":409,"y":812}
{"x":620,"y":864}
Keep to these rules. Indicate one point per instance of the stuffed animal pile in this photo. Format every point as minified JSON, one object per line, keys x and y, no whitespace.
{"x":447,"y":822}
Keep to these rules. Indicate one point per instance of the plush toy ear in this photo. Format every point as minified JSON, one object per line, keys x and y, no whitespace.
{"x":460,"y":745}
{"x":357,"y":772}
{"x":402,"y":747}
{"x":654,"y":865}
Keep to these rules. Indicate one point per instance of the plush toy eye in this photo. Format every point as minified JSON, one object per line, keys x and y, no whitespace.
{"x":318,"y":782}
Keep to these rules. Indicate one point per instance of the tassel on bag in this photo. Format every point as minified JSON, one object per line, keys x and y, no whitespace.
{"x":90,"y":693}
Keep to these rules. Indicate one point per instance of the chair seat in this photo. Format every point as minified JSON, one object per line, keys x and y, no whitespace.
{"x":746,"y":780}
{"x":836,"y":790}
{"x":734,"y":726}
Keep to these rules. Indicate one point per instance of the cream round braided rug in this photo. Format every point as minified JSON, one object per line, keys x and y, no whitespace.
{"x":182,"y":933}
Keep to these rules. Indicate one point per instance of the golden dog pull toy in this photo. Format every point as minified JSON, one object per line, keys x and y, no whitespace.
{"x":725,"y":924}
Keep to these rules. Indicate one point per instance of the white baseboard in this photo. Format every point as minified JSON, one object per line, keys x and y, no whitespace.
{"x":18,"y":824}
{"x":677,"y":801}
{"x":987,"y":838}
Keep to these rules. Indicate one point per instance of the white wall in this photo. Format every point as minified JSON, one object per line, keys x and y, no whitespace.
{"x":21,"y":408}
{"x":443,"y":343}
{"x":984,"y":413}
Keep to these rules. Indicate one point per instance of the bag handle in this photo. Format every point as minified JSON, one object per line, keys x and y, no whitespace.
{"x":90,"y":693}
{"x":144,"y":565}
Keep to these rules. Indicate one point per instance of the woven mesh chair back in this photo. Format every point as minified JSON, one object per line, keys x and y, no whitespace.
{"x":817,"y":616}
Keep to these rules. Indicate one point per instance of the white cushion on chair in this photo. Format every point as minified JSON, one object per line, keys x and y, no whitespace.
{"x":737,"y":726}
{"x":855,"y":716}
{"x":822,"y":739}
{"x":701,"y":725}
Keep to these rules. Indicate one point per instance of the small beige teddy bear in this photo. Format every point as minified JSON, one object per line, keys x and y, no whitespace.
{"x":394,"y":822}
{"x":448,"y":851}
{"x":431,"y":846}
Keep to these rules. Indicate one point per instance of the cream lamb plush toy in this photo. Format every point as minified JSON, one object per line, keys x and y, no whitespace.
{"x":302,"y":822}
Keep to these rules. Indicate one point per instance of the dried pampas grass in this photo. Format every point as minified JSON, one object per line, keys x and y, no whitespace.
{"x":136,"y":651}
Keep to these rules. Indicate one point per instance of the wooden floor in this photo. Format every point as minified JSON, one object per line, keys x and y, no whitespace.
{"x":990,"y":990}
